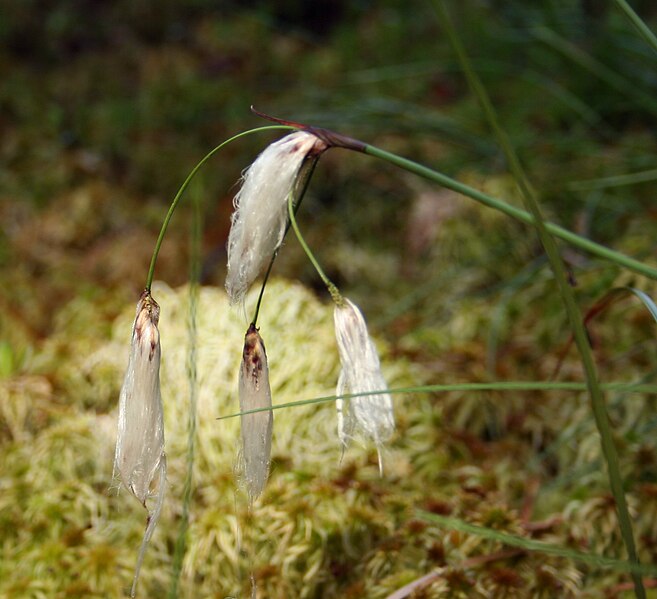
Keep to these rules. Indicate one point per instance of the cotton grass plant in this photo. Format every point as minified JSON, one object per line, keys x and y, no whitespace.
{"x":360,"y":373}
{"x":363,"y":401}
{"x":321,"y":527}
{"x":494,"y":483}
{"x":270,"y":194}
{"x":139,"y":461}
{"x":370,"y":413}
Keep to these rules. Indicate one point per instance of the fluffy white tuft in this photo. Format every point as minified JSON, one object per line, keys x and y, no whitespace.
{"x":139,"y":456}
{"x":260,"y":218}
{"x":370,"y":415}
{"x":255,"y":393}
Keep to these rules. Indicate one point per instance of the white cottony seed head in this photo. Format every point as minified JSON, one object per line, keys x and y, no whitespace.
{"x":139,"y":458}
{"x":255,"y":393}
{"x":140,"y":439}
{"x":260,"y":218}
{"x":371,"y":415}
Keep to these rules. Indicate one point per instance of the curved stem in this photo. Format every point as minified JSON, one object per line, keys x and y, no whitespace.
{"x":254,"y":320}
{"x":519,"y":386}
{"x":573,"y":239}
{"x":183,"y":187}
{"x":332,"y":289}
{"x":638,"y":23}
{"x":598,"y":402}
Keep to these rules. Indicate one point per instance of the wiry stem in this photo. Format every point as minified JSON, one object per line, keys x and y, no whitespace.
{"x":183,"y":187}
{"x":332,"y":289}
{"x":304,"y":188}
{"x":598,"y":403}
{"x":638,"y":23}
{"x":516,"y":386}
{"x":523,"y":216}
{"x":254,"y":320}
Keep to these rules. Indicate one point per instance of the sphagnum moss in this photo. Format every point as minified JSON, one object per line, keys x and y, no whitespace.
{"x":342,"y":529}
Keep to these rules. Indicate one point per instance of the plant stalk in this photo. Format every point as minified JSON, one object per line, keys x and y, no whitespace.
{"x":598,"y":404}
{"x":645,"y":388}
{"x":183,"y":187}
{"x":332,"y":289}
{"x":638,"y":23}
{"x":521,"y":215}
{"x":304,"y":188}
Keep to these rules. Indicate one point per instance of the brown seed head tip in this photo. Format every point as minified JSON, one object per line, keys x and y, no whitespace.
{"x":331,"y":139}
{"x":148,"y":316}
{"x":319,"y":148}
{"x":325,"y":138}
{"x":274,"y":119}
{"x":148,"y":308}
{"x":253,"y":344}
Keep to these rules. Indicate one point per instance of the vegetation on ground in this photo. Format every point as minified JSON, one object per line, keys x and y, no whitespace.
{"x":104,"y":110}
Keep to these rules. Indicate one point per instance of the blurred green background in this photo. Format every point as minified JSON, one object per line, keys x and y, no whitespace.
{"x":106,"y":106}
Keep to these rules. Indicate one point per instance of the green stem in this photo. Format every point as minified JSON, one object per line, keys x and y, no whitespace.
{"x":332,"y":289}
{"x":256,"y":313}
{"x":538,"y":546}
{"x":645,"y":388}
{"x":622,"y":85}
{"x":580,"y":242}
{"x":192,"y":375}
{"x":636,"y":20}
{"x":613,"y":181}
{"x":598,"y":404}
{"x":183,"y":187}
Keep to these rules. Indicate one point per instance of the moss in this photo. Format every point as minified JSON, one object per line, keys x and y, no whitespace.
{"x":326,"y":525}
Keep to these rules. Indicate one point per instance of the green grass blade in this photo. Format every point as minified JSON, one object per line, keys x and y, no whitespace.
{"x":598,"y":561}
{"x":646,"y":299}
{"x":623,"y":86}
{"x":638,"y":23}
{"x":462,"y":387}
{"x":521,"y":215}
{"x":598,"y":404}
{"x":614,"y":181}
{"x":183,"y":188}
{"x":192,"y":375}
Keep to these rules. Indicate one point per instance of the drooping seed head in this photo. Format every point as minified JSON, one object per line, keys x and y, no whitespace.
{"x":139,"y":460}
{"x":260,"y":219}
{"x":140,"y":439}
{"x":370,"y":415}
{"x":254,"y":392}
